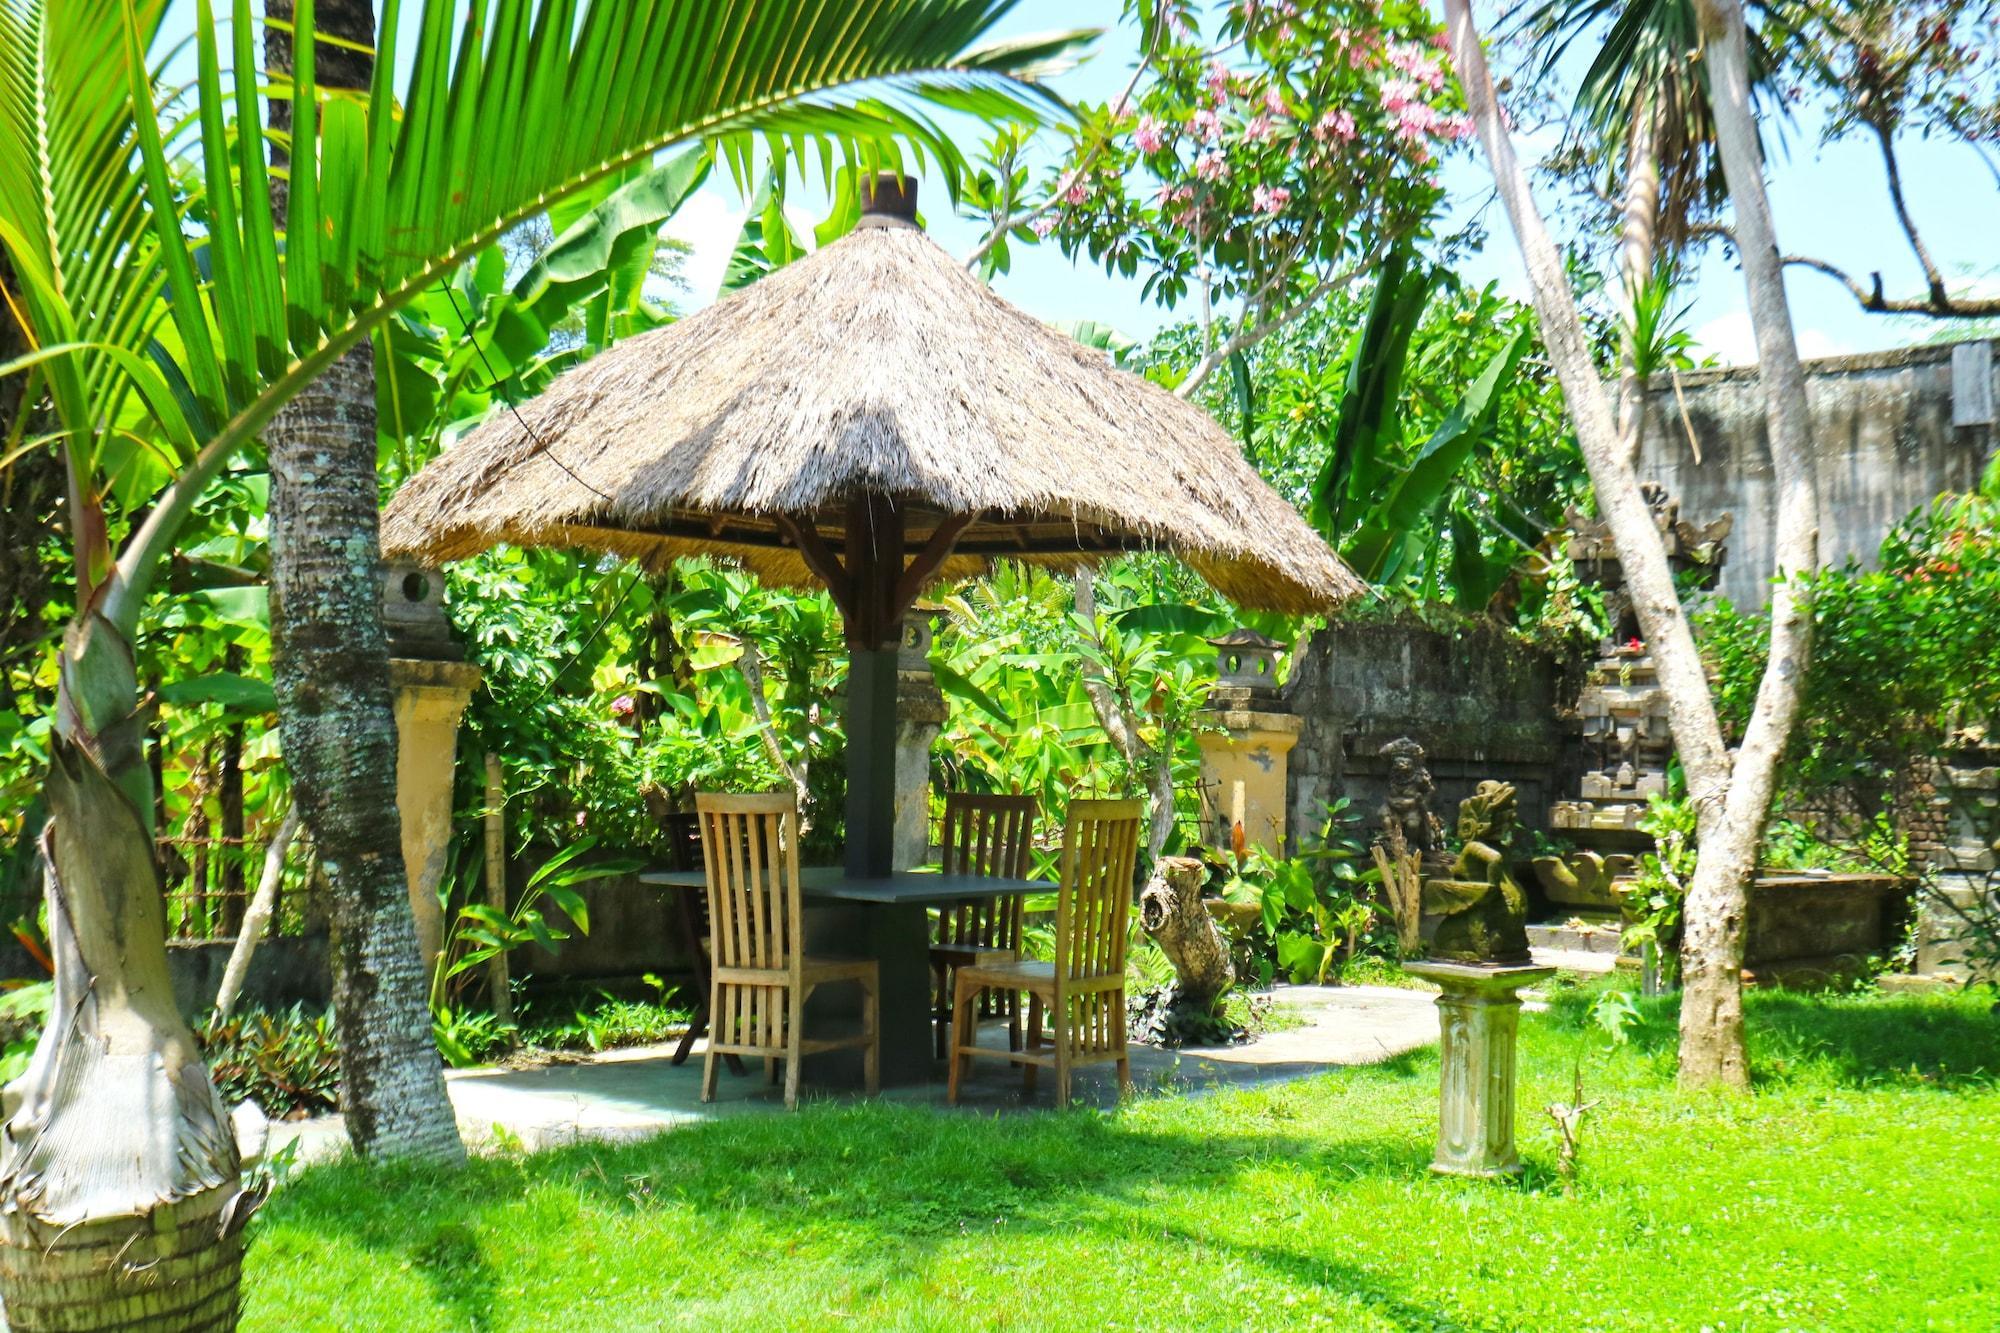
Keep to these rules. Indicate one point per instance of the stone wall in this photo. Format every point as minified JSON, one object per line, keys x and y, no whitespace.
{"x":1967,"y":863}
{"x":1891,"y":430}
{"x":288,"y":970}
{"x":1482,"y":705}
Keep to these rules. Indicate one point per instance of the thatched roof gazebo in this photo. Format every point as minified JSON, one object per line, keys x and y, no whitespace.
{"x":875,"y":419}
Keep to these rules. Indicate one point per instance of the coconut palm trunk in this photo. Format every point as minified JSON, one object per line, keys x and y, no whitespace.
{"x":330,"y":671}
{"x":1639,"y":218}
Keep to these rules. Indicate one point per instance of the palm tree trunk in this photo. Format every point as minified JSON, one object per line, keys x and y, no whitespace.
{"x":330,"y":670}
{"x":120,"y":1202}
{"x":1638,"y":228}
{"x":1712,"y":1049}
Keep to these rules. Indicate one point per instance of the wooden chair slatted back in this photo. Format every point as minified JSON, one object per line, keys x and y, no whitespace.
{"x":990,"y":836}
{"x":1094,"y":901}
{"x":750,"y":854}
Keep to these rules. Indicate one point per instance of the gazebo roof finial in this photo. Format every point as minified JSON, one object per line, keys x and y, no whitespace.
{"x":889,"y":194}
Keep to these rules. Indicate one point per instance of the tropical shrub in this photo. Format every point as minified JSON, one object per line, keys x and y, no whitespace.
{"x":287,"y":1062}
{"x":1905,"y":656}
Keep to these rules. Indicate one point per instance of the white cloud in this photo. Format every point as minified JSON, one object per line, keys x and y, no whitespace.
{"x":710,"y":221}
{"x":1730,"y":339}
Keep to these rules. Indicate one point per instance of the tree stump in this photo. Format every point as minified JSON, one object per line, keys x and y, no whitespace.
{"x":1173,"y":914}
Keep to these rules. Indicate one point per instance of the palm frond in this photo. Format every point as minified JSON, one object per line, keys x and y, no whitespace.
{"x":505,"y":108}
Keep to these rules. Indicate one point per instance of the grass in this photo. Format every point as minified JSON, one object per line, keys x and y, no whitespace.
{"x":1858,"y":1188}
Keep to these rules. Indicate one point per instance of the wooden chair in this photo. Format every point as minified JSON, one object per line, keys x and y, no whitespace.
{"x":1083,"y":991}
{"x":761,"y":977}
{"x":983,"y":835}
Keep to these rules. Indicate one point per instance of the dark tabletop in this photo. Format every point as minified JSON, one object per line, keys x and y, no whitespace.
{"x":913,"y":886}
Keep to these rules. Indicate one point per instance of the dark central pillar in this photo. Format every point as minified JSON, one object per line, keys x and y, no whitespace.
{"x":874,"y":633}
{"x":871,"y":760}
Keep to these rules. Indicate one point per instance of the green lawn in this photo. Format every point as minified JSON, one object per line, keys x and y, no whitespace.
{"x":1859,"y":1188}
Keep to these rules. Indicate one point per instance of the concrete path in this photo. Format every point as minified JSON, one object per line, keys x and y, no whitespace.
{"x":636,"y":1093}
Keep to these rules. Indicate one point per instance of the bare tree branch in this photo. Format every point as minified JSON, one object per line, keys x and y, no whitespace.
{"x":1932,"y":278}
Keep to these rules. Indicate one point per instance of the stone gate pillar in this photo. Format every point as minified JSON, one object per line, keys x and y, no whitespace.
{"x":433,"y":684}
{"x":920,"y":714}
{"x":1247,"y":732}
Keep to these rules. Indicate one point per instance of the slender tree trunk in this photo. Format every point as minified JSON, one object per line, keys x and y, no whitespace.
{"x":1712,"y":1048}
{"x":330,"y":668}
{"x":257,"y":916}
{"x":1637,"y":249}
{"x":1122,"y":726}
{"x":1731,"y":794}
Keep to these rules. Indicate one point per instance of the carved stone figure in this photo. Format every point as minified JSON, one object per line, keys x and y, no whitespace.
{"x":1479,"y":915}
{"x":1406,"y":815}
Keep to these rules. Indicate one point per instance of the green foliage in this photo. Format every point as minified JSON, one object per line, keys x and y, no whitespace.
{"x":1011,"y":656}
{"x":1254,"y":162}
{"x":1275,"y":1206}
{"x":1316,"y":908}
{"x":483,"y":932}
{"x":24,"y":1011}
{"x":593,"y":697}
{"x":1653,"y":904}
{"x":287,"y":1063}
{"x":1431,"y":441}
{"x":606,"y":1021}
{"x":1903,"y":657}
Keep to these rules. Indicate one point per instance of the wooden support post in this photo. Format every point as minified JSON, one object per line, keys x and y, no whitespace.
{"x":874,"y":540}
{"x":498,"y":983}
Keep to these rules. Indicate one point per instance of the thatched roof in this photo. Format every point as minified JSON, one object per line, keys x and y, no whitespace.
{"x":877,"y":363}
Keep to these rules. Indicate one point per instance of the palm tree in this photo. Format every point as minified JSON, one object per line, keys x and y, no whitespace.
{"x":330,"y":672}
{"x":120,"y":1203}
{"x":1644,"y":98}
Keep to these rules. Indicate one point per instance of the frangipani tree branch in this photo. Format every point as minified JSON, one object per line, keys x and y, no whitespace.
{"x":1266,"y":321}
{"x":1010,"y":221}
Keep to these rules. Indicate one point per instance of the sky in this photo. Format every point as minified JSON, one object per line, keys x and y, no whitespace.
{"x":1827,"y":201}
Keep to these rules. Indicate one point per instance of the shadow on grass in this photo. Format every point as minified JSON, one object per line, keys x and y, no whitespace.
{"x":877,"y":1186}
{"x":1848,"y":1040}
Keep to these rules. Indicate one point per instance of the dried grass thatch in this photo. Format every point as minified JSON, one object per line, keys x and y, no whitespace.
{"x":877,"y":364}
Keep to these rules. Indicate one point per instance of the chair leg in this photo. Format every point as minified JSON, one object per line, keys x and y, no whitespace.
{"x":962,"y":1026}
{"x":1030,"y":1074}
{"x":708,"y":1056}
{"x":795,"y":1006}
{"x":770,"y":1071}
{"x":941,"y":1006}
{"x":871,"y":1027}
{"x":1013,"y":1020}
{"x":1064,"y":1036}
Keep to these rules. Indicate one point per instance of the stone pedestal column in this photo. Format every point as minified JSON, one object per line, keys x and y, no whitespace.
{"x":430,"y":698}
{"x":920,"y":714}
{"x":1479,"y":1017}
{"x":1243,"y":757}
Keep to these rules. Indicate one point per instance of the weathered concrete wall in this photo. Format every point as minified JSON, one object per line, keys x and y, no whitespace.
{"x":1883,"y":437}
{"x":1482,"y":705}
{"x":289,"y":970}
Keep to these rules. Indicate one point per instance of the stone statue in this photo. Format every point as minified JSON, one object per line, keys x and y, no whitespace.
{"x":1479,"y":914}
{"x":1410,"y":836}
{"x":1406,"y":815}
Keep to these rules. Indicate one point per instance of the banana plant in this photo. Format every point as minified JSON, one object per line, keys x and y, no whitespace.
{"x":169,"y":317}
{"x":1396,"y":512}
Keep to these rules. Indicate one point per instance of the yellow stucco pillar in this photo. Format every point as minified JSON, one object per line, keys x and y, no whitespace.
{"x":1247,"y":731}
{"x":430,"y":698}
{"x":1243,"y":768}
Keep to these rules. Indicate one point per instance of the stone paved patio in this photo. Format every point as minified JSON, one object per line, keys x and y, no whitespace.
{"x":636,"y":1093}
